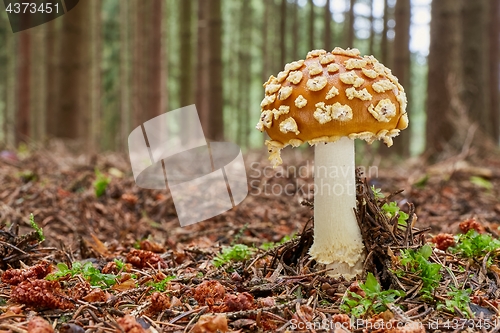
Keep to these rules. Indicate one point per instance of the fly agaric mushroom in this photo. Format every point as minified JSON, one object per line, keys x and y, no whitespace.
{"x":328,"y":100}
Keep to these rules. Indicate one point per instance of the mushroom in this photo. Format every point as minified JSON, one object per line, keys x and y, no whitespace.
{"x":328,"y":100}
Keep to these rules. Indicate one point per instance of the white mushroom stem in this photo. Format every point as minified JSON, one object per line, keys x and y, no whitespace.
{"x":337,"y":237}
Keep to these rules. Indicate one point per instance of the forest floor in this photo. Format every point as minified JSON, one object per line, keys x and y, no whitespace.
{"x":120,"y":262}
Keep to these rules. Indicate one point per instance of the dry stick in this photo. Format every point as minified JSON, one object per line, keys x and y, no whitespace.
{"x":194,"y":319}
{"x":185,"y":314}
{"x":12,"y":328}
{"x":306,"y":275}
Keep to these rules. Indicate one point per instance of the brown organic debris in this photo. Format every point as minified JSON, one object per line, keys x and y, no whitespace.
{"x":15,"y":276}
{"x":211,"y":324}
{"x":39,"y":325}
{"x":129,"y":324}
{"x":443,"y":241}
{"x":145,"y":259}
{"x":41,"y":294}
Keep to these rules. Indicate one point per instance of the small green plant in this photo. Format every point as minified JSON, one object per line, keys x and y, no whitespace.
{"x":271,"y":245}
{"x":100,"y":184}
{"x":238,"y":252}
{"x":460,"y":300}
{"x":87,"y":271}
{"x":239,"y":234}
{"x":35,"y":226}
{"x":375,"y":300}
{"x":473,"y":244}
{"x":119,"y":264}
{"x":481,"y":182}
{"x":417,"y":262}
{"x":377,"y":192}
{"x":391,"y":209}
{"x":162,"y":285}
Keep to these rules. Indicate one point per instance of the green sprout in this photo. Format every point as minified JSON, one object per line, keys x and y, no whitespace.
{"x":417,"y":262}
{"x":392,"y":210}
{"x":473,"y":244}
{"x":100,"y":184}
{"x":481,"y":182}
{"x":374,"y":301}
{"x":271,"y":245}
{"x":460,"y":300}
{"x":238,"y":252}
{"x":87,"y":271}
{"x":119,"y":264}
{"x":377,"y":192}
{"x":162,"y":285}
{"x":35,"y":226}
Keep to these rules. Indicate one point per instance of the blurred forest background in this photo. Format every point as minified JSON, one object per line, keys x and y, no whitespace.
{"x":94,"y":74}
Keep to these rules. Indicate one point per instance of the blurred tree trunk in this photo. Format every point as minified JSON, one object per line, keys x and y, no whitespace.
{"x":186,"y":50}
{"x":311,"y":25}
{"x":10,"y":90}
{"x":494,"y":65}
{"x":266,"y":66}
{"x":475,"y":62}
{"x":401,"y":68}
{"x":295,"y":30}
{"x":210,"y":69}
{"x":73,"y":58}
{"x":371,"y":47}
{"x":327,"y":43}
{"x":39,"y":83}
{"x":282,"y":31}
{"x":350,"y":27}
{"x":155,"y":83}
{"x":95,"y":128}
{"x":203,"y":81}
{"x":126,"y":22}
{"x":53,"y":75}
{"x":147,"y":68}
{"x":23,"y":87}
{"x":384,"y":43}
{"x":443,"y":87}
{"x":244,"y":70}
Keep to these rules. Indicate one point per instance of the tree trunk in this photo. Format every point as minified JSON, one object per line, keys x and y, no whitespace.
{"x":475,"y":62}
{"x":203,"y":81}
{"x":350,"y":27}
{"x":209,"y":89}
{"x":147,"y":69}
{"x":266,"y":66}
{"x":53,"y":75}
{"x":23,"y":87}
{"x":494,"y":65}
{"x":72,"y":91}
{"x":125,"y":91}
{"x":401,"y":68}
{"x":10,"y":90}
{"x":295,"y":30}
{"x":371,"y":47}
{"x":39,"y":83}
{"x":443,"y":83}
{"x":311,"y":25}
{"x":243,"y":109}
{"x":328,"y":26}
{"x":215,"y":124}
{"x":384,"y":44}
{"x":95,"y":128}
{"x":282,"y":39}
{"x":186,"y":50}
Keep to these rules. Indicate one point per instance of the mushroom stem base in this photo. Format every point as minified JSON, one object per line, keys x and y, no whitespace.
{"x":337,"y":238}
